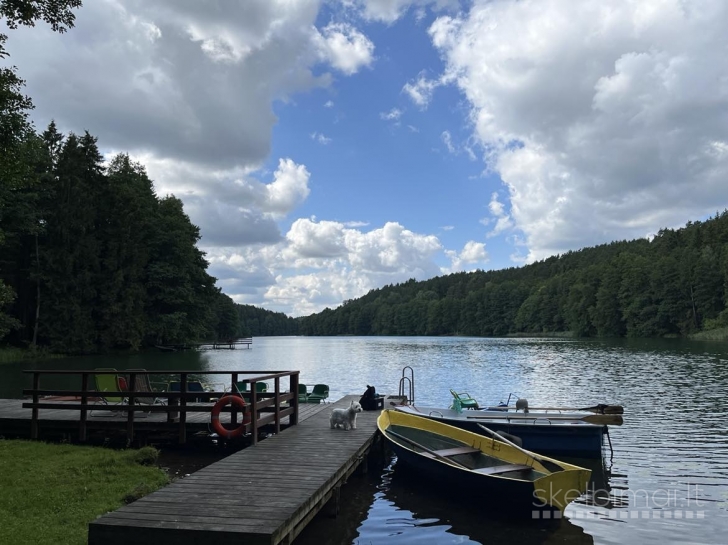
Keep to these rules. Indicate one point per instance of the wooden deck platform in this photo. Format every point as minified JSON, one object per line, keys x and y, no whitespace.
{"x":264,"y":494}
{"x":55,"y":423}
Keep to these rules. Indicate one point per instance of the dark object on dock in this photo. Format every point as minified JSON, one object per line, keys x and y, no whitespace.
{"x":370,"y":400}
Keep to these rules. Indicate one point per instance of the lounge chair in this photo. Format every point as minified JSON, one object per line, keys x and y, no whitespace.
{"x":302,"y":393}
{"x":142,"y":383}
{"x":319,"y":393}
{"x":244,"y":388}
{"x":194,"y":386}
{"x":109,"y":383}
{"x":463,"y":401}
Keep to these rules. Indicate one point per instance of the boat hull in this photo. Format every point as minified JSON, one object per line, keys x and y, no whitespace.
{"x":545,"y":485}
{"x":571,"y":438}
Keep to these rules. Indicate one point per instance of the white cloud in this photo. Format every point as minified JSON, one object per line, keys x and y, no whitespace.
{"x":345,"y":47}
{"x":472,"y":253}
{"x":322,"y":263}
{"x":421,"y":90}
{"x":447,"y":140}
{"x":600,"y":117}
{"x":388,"y":11}
{"x":320,"y":138}
{"x":392,"y":115}
{"x":329,"y":104}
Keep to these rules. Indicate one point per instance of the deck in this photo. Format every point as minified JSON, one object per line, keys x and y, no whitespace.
{"x":15,"y":421}
{"x":264,"y":494}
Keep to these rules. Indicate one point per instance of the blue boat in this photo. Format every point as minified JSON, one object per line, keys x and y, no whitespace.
{"x":552,"y":434}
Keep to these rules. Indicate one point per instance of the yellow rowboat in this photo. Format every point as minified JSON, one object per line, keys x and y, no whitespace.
{"x":472,"y":465}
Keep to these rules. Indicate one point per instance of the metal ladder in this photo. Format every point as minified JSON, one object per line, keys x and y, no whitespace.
{"x":407,"y":380}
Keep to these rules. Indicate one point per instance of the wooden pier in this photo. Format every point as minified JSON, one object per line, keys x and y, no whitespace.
{"x":264,"y":494}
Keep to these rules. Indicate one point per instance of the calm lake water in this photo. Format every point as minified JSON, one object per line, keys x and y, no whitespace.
{"x":667,"y":480}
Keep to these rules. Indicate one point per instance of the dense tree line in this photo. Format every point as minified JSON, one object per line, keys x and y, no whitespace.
{"x":96,"y":261}
{"x":90,"y":258}
{"x":672,"y":285}
{"x":256,"y":322}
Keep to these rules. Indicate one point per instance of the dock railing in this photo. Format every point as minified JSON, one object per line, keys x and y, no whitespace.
{"x":265,"y":407}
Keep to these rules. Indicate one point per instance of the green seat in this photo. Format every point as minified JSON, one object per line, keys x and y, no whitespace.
{"x":108,"y":383}
{"x":319,"y":393}
{"x":302,"y":393}
{"x":463,"y":401}
{"x":244,"y":388}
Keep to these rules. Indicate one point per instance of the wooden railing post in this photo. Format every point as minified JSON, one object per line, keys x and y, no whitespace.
{"x":293,"y":419}
{"x":183,"y":409}
{"x":253,"y":411}
{"x":84,"y":412}
{"x":130,"y":411}
{"x":34,"y":417}
{"x":233,"y":391}
{"x":278,"y":404}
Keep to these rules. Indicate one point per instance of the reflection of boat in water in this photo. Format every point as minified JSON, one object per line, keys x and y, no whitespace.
{"x":503,"y":476}
{"x":412,"y":509}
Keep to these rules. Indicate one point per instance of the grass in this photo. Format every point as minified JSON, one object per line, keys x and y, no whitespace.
{"x":719,"y":334}
{"x":50,"y":492}
{"x":10,"y":354}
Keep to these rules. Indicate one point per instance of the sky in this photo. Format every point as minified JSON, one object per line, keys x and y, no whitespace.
{"x":327,"y":148}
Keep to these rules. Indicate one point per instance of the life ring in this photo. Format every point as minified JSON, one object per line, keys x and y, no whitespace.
{"x":215,"y":417}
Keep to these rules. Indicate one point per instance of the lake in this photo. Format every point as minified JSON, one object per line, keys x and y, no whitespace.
{"x":666,"y":481}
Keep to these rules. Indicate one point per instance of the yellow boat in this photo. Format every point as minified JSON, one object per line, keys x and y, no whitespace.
{"x":502,"y":474}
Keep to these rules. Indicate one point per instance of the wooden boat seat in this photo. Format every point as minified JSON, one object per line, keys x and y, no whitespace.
{"x":456,"y":450}
{"x":494,"y":470}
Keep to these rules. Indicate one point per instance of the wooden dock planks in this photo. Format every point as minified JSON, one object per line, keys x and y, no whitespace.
{"x":262,"y":494}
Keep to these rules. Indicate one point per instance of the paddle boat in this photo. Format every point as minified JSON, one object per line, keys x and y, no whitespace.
{"x":552,"y":433}
{"x":488,"y":470}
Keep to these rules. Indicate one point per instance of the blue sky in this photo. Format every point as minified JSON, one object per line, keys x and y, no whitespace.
{"x":326,"y":148}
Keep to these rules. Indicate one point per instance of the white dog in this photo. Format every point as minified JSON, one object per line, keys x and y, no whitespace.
{"x":345,"y":418}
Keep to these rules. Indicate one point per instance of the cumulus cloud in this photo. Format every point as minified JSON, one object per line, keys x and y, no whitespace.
{"x":322,"y":263}
{"x":345,"y":47}
{"x":472,"y":253}
{"x":601,"y":118}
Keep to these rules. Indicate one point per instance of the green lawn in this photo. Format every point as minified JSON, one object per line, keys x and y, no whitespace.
{"x":50,"y":492}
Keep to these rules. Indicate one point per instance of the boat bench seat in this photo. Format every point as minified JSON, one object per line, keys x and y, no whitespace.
{"x":455,"y":451}
{"x":494,"y":470}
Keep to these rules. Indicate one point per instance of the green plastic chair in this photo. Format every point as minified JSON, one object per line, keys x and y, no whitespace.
{"x":464,"y":401}
{"x":302,"y":393}
{"x":319,"y":393}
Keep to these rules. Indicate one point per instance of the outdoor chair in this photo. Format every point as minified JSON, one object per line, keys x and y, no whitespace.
{"x":109,"y":383}
{"x":302,"y":393}
{"x":243,"y":388}
{"x":463,"y":401}
{"x":319,"y":393}
{"x":193,"y":386}
{"x":141,"y":383}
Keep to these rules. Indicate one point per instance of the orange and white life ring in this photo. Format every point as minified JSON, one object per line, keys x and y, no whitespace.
{"x":215,"y":417}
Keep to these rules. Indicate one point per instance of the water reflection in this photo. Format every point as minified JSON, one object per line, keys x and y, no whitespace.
{"x":670,"y":456}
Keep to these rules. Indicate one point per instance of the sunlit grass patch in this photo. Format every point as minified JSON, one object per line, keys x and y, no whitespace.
{"x":49,"y":492}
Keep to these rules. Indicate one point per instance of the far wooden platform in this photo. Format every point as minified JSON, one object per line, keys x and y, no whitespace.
{"x":264,"y":494}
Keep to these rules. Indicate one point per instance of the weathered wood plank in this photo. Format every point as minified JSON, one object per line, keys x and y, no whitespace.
{"x":262,"y":494}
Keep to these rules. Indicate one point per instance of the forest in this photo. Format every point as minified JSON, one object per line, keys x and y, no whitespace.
{"x":672,"y":285}
{"x":92,"y":260}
